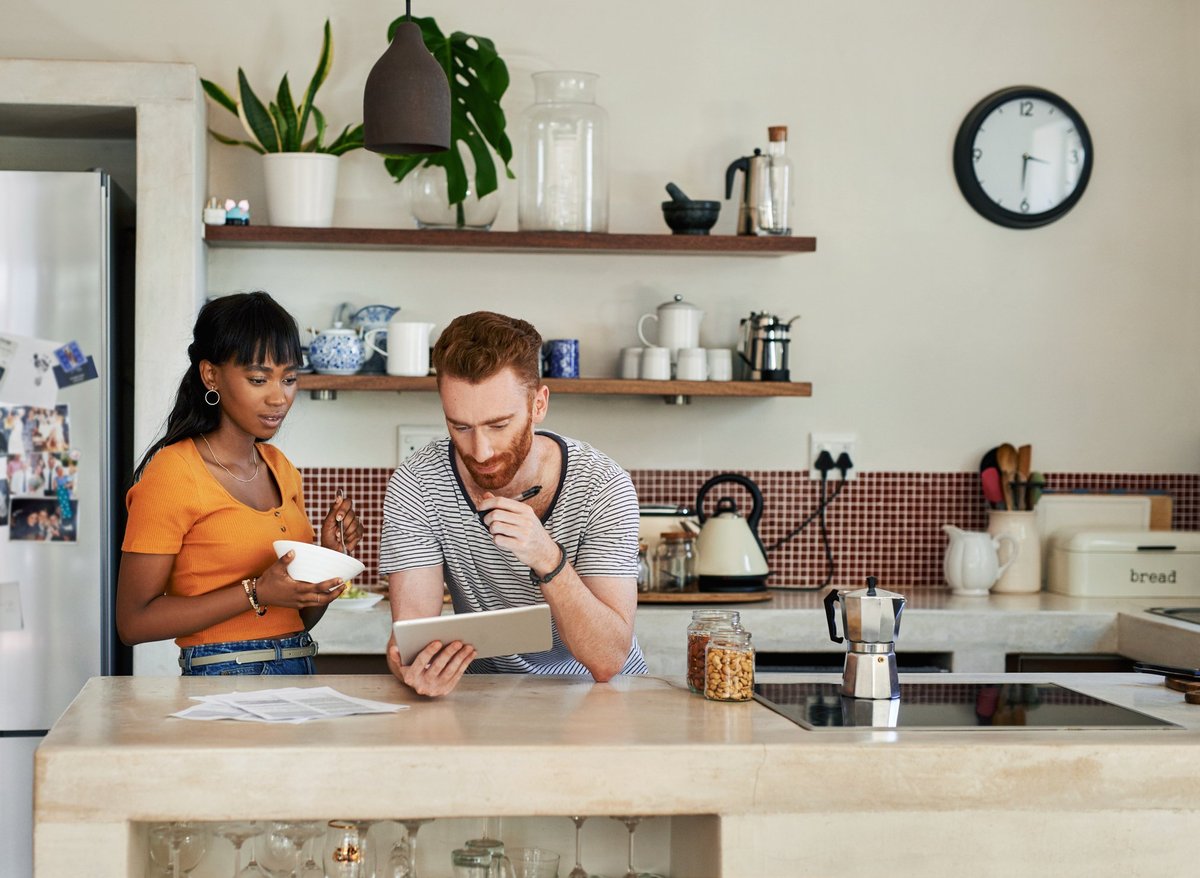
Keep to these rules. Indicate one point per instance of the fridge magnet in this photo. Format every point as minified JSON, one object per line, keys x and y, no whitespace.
{"x":4,"y":491}
{"x":69,"y":356}
{"x":74,"y":367}
{"x":27,"y":378}
{"x":10,"y":607}
{"x":39,"y":519}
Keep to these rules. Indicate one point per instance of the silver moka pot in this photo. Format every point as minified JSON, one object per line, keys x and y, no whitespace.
{"x":870,"y":625}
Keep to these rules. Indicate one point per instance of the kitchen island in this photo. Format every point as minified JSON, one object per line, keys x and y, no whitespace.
{"x":749,"y":793}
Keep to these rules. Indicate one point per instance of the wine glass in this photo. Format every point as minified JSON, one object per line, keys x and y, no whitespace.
{"x":311,"y":868}
{"x":283,"y":846}
{"x":347,"y":852}
{"x":578,"y":871}
{"x":237,"y":833}
{"x":402,"y":863}
{"x":178,"y":846}
{"x":631,"y":823}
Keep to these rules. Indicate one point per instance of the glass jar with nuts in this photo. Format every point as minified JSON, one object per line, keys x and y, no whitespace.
{"x":703,"y":623}
{"x":729,"y":666}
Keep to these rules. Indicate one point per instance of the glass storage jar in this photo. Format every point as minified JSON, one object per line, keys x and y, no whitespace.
{"x":703,"y":623}
{"x":675,"y":562}
{"x":729,"y":666}
{"x":643,"y":574}
{"x":563,"y":168}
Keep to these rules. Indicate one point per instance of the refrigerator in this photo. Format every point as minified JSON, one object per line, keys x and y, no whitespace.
{"x":65,"y":277}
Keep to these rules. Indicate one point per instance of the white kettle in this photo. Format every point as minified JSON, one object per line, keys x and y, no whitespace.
{"x":730,"y":556}
{"x":972,"y":563}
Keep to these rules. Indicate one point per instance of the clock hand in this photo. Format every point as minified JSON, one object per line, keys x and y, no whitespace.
{"x":1030,"y":158}
{"x":1024,"y":165}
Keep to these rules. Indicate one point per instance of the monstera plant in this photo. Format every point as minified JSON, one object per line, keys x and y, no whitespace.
{"x":282,"y":125}
{"x":478,"y":79}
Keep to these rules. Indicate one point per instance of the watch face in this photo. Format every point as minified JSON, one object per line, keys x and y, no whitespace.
{"x":1023,"y":157}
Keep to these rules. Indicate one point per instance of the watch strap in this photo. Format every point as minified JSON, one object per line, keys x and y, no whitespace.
{"x":558,"y":568}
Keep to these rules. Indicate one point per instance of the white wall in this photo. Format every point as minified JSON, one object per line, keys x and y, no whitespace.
{"x":930,"y":332}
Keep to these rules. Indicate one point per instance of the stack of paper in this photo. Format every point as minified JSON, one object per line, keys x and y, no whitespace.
{"x":290,"y":705}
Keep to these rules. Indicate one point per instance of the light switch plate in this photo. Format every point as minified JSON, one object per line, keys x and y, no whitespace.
{"x":413,"y":438}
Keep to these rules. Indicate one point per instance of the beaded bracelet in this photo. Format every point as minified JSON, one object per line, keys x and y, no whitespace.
{"x":250,"y":586}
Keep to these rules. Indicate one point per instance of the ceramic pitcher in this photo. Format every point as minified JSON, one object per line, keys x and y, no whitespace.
{"x":407,"y":346}
{"x":972,"y":564}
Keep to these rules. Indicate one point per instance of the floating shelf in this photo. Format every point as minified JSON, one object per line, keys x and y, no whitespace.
{"x":496,"y":242}
{"x":674,"y":391}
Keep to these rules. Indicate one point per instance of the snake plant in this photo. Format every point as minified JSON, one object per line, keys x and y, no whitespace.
{"x":281,"y":125}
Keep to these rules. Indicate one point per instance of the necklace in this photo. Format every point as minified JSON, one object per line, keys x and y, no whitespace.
{"x":254,"y":455}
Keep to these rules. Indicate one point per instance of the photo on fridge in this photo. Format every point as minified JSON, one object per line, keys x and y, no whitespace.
{"x":3,"y":491}
{"x":40,"y":519}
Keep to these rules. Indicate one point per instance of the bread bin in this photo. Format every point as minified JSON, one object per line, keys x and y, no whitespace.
{"x":1125,"y":563}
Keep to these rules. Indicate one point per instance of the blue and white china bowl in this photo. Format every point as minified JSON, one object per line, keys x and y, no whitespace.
{"x":336,"y":352}
{"x":371,"y":316}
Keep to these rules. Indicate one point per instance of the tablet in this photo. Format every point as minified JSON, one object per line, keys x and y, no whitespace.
{"x":491,"y":632}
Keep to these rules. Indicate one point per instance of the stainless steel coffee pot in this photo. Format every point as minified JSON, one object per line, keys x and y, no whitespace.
{"x":763,"y":352}
{"x":870,"y":625}
{"x":755,"y":191}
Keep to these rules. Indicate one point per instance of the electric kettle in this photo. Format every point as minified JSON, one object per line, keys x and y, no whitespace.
{"x":870,"y":625}
{"x":730,"y":554}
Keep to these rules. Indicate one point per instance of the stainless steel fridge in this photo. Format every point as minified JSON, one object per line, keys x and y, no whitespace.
{"x":61,"y":236}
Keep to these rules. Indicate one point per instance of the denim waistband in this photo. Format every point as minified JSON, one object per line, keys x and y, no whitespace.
{"x":269,"y":649}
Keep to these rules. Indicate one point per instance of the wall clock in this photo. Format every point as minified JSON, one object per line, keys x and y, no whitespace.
{"x":1023,"y":157}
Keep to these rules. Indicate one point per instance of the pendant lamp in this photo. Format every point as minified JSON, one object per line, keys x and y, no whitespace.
{"x":406,"y":102}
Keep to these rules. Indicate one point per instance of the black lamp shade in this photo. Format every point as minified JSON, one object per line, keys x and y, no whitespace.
{"x":406,"y":103}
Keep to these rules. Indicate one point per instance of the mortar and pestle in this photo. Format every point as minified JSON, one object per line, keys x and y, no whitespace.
{"x":688,"y":217}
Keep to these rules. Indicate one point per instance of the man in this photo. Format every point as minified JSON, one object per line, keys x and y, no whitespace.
{"x":451,"y":515}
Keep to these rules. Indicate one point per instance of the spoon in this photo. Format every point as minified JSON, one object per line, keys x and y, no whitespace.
{"x":1024,"y":461}
{"x":342,"y":526}
{"x":1006,"y":459}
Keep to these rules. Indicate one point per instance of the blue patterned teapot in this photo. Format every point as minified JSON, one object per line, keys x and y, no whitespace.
{"x":336,"y":351}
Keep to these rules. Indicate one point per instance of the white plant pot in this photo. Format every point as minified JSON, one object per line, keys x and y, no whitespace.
{"x":300,"y":188}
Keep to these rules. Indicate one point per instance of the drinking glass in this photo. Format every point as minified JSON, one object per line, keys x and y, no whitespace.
{"x":402,"y":863}
{"x":631,"y":823}
{"x":237,"y":833}
{"x":178,"y":846}
{"x":347,"y":851}
{"x":578,"y":871}
{"x":283,"y":846}
{"x":533,"y":862}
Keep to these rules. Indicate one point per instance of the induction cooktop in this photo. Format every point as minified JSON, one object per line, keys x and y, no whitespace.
{"x":952,"y":706}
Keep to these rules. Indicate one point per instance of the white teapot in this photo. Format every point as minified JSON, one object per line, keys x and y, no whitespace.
{"x":678,"y":326}
{"x":972,"y":564}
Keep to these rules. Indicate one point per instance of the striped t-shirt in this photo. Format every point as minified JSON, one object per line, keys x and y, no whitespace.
{"x":429,"y":520}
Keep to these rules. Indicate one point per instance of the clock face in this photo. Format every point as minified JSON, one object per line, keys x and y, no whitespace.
{"x":1022,"y":157}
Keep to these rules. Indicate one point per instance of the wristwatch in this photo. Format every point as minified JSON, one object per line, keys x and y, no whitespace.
{"x":562,"y":562}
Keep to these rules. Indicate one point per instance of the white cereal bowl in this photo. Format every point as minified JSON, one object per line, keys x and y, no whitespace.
{"x":315,"y":563}
{"x":356,"y":604}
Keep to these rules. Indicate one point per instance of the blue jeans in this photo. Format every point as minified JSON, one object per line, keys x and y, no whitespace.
{"x":229,"y":668}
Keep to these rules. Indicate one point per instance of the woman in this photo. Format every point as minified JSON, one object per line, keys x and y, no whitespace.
{"x":210,"y":497}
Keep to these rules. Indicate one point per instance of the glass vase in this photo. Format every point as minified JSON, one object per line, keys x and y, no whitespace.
{"x":431,"y":206}
{"x":563,"y":168}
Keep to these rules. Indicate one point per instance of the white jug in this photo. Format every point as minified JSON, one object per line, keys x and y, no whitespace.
{"x":407,"y":346}
{"x":678,"y":326}
{"x":972,"y":563}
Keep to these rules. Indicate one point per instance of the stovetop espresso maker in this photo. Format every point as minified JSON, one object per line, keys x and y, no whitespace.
{"x":870,"y":625}
{"x":763,"y":351}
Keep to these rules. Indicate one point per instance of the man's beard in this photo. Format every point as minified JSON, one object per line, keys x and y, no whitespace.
{"x":510,"y":461}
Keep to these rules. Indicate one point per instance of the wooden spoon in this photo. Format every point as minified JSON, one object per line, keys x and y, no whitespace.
{"x":1021,"y":491}
{"x":1006,"y":459}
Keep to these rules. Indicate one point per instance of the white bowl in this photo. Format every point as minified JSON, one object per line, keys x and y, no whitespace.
{"x":315,"y":563}
{"x":357,"y":604}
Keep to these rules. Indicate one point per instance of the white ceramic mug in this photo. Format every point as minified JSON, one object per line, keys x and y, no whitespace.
{"x":720,"y":364}
{"x":691,"y":365}
{"x":656,"y":364}
{"x":408,"y":347}
{"x":631,"y":363}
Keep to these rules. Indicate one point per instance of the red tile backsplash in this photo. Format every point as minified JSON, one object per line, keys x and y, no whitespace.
{"x":886,"y":524}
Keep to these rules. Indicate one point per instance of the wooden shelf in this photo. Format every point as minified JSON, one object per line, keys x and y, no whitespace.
{"x":495,"y":242}
{"x":592,"y":386}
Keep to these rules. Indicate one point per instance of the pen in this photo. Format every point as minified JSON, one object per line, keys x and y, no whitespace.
{"x":532,"y":492}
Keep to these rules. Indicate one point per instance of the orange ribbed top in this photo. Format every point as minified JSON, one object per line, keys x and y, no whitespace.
{"x":178,"y":508}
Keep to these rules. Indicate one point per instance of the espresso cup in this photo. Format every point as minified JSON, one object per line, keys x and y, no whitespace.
{"x":560,"y":358}
{"x":720,"y":364}
{"x":656,"y":364}
{"x":631,"y":363}
{"x":692,"y":365}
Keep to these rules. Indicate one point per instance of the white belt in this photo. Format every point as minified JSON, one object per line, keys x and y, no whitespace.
{"x":247,"y":656}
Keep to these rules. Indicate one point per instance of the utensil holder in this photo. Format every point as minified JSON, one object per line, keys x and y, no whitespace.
{"x":1024,"y":575}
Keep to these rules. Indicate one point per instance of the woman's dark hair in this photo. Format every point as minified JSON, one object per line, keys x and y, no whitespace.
{"x":245,"y":328}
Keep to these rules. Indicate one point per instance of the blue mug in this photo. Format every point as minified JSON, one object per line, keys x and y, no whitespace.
{"x":560,"y":358}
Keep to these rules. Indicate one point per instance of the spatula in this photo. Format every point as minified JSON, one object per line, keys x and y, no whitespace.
{"x":992,"y":492}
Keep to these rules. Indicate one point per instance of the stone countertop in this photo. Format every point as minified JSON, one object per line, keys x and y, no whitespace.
{"x":521,"y":745}
{"x":977,"y":631}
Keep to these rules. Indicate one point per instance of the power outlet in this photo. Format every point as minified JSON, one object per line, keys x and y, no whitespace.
{"x":411,"y":439}
{"x":835,"y":444}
